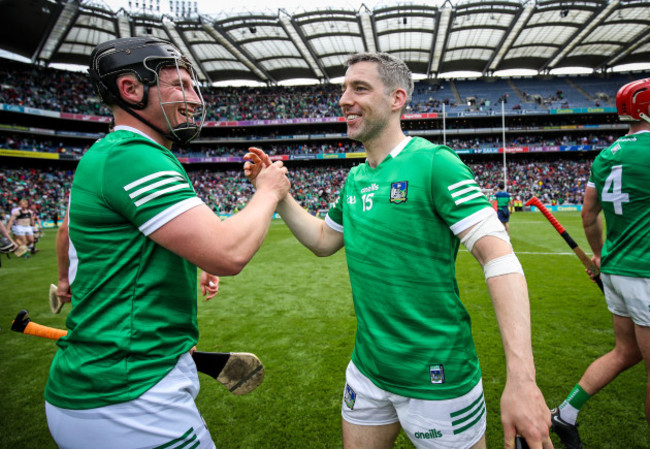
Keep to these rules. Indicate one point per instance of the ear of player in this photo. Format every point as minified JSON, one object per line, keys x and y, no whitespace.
{"x":239,"y":372}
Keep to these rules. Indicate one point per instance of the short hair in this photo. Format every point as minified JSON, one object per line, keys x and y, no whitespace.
{"x":393,"y":72}
{"x":500,"y":185}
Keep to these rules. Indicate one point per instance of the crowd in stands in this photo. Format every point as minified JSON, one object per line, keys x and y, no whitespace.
{"x":314,"y":186}
{"x":279,"y":102}
{"x":599,"y":140}
{"x":46,"y":88}
{"x":553,"y":182}
{"x":66,"y":91}
{"x":27,"y":142}
{"x":273,"y":149}
{"x":48,"y":189}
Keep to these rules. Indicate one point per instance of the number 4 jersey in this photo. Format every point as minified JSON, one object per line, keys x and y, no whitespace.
{"x":621,"y":176}
{"x":400,"y":222}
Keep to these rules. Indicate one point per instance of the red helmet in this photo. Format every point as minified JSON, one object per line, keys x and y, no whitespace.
{"x":633,"y":99}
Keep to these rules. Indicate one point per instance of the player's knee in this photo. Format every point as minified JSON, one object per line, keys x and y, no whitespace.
{"x":627,"y":355}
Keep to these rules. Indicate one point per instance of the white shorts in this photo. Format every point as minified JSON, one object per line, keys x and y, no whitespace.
{"x":22,"y":230}
{"x":165,"y":416}
{"x":449,"y":424}
{"x":628,"y":296}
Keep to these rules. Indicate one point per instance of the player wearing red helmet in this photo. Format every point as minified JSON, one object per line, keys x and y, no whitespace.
{"x":619,"y":186}
{"x":632,"y":101}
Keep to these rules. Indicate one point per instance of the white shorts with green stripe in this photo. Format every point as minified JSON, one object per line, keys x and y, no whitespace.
{"x":445,"y":424}
{"x":628,"y":296}
{"x":165,"y":417}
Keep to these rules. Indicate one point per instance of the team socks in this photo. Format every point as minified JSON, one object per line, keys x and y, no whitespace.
{"x":573,"y":403}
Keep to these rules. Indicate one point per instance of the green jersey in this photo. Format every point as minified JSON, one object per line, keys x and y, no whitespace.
{"x":621,"y":176}
{"x":503,"y":198}
{"x":133,"y":301}
{"x":399,"y":223}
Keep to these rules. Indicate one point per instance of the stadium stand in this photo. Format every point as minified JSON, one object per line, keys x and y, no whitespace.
{"x":316,"y":187}
{"x":46,"y":111}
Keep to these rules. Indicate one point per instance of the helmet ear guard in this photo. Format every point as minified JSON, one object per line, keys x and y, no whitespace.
{"x":633,"y":100}
{"x":143,"y":57}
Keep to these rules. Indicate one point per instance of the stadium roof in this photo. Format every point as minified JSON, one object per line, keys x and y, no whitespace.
{"x":480,"y":36}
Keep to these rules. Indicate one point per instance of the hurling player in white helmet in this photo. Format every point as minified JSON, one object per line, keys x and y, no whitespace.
{"x":128,"y":250}
{"x":619,"y":186}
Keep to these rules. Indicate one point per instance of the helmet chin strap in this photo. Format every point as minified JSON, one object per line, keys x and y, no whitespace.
{"x":644,"y":117}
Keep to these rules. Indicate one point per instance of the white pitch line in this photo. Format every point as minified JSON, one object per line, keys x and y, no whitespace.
{"x":538,"y":253}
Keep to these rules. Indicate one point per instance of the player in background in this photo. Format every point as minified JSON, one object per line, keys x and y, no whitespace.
{"x":619,"y":186}
{"x":20,"y":223}
{"x":129,"y":247}
{"x":7,"y":245}
{"x":37,"y":227}
{"x":503,"y":207}
{"x":401,"y":216}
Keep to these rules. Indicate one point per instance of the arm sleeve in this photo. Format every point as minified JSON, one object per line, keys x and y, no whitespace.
{"x":457,"y":196}
{"x":147,"y":185}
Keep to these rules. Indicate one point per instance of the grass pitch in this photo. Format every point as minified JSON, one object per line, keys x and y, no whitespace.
{"x":294,"y":311}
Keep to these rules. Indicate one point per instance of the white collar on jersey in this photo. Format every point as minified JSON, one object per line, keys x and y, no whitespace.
{"x":400,"y":146}
{"x":133,"y":130}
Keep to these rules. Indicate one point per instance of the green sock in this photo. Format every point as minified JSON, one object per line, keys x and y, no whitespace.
{"x":577,"y":397}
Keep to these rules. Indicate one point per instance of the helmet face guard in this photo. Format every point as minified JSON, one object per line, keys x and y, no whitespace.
{"x":144,"y":58}
{"x":190,"y":129}
{"x":632,"y":101}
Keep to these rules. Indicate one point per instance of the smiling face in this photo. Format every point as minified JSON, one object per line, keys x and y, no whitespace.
{"x":174,"y":102}
{"x":365,"y":102}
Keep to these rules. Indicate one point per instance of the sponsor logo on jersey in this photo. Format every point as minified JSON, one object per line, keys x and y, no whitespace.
{"x":615,"y":148}
{"x":399,"y":192}
{"x":428,"y":435}
{"x":351,"y":199}
{"x":349,"y":397}
{"x":464,"y":191}
{"x":374,"y":187}
{"x":437,"y":373}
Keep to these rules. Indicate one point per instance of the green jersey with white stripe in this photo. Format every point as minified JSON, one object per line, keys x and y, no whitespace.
{"x":400,"y":222}
{"x":620,"y":176}
{"x":133,"y":301}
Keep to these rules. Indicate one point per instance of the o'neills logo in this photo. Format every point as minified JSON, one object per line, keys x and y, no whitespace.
{"x":372,"y":188}
{"x":431,"y":434}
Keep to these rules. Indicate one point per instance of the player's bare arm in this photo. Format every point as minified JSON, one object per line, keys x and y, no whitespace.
{"x":523,"y":409}
{"x":12,"y":220}
{"x":592,"y":223}
{"x":312,"y":232}
{"x":62,"y":261}
{"x":224,"y":247}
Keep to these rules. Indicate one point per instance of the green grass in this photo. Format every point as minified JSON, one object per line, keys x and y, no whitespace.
{"x":295,"y":312}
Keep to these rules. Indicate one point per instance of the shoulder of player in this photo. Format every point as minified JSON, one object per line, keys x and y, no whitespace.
{"x":424,"y":150}
{"x":124,"y":157}
{"x":130,"y":148}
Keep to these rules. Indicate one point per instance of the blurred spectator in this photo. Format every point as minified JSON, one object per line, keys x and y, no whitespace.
{"x":315,"y":186}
